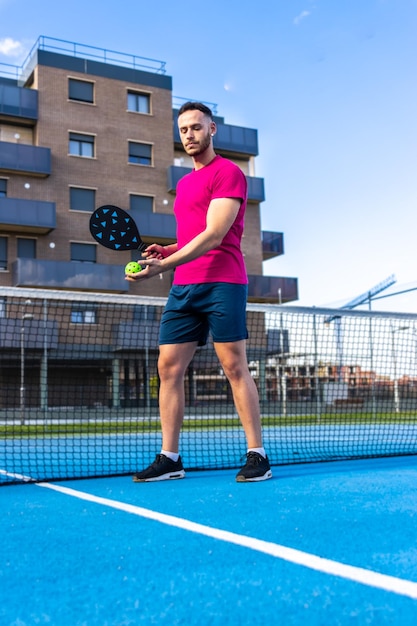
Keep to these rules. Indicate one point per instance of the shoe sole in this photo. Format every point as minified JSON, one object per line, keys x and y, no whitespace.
{"x":254,"y":479}
{"x":168,"y":476}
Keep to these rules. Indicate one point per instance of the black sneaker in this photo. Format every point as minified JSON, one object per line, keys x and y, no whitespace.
{"x":257,"y":468}
{"x":162,"y":468}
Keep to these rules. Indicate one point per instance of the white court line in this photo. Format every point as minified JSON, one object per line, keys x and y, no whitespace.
{"x":326,"y":566}
{"x":26,"y":479}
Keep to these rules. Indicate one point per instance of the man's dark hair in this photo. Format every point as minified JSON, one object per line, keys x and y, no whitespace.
{"x":195,"y":106}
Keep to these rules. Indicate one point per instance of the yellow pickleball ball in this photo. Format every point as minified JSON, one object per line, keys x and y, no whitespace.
{"x":133,"y":267}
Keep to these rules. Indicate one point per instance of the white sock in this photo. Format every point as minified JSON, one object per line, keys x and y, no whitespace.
{"x":260,"y":451}
{"x":171,"y":455}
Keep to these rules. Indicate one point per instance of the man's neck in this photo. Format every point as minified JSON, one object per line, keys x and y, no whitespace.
{"x":204,"y":159}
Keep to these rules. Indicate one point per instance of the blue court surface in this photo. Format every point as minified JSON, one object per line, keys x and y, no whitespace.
{"x":320,"y":544}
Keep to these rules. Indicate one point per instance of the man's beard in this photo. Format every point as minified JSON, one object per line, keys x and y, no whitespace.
{"x":201,"y":147}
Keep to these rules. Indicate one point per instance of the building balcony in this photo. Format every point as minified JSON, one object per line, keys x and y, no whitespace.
{"x":174,"y":174}
{"x":156,"y":227}
{"x":273,"y":289}
{"x":19,"y":158}
{"x":236,"y":140}
{"x":39,"y":333}
{"x":256,"y":189}
{"x":18,"y":103}
{"x":77,"y":275}
{"x":229,"y":140}
{"x":272,"y":244}
{"x":29,"y":216}
{"x":128,"y":336}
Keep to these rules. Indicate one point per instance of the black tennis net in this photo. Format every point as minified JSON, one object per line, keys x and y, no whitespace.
{"x":79,"y":386}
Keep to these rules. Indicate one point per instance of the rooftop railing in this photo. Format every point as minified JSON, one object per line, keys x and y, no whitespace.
{"x":74,"y":49}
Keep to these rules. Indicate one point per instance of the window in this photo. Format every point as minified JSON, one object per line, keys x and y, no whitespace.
{"x":3,"y":253}
{"x":81,"y":145}
{"x":83,"y":252}
{"x":138,"y":102}
{"x":80,"y":90}
{"x":26,"y":248}
{"x":80,"y":315}
{"x":3,"y":187}
{"x":2,"y":307}
{"x":82,"y":199}
{"x":140,"y":153}
{"x":142,"y":204}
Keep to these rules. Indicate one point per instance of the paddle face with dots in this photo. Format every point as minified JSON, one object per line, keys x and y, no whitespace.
{"x":114,"y":228}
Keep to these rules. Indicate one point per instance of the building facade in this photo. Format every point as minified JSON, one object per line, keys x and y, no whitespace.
{"x":81,"y":127}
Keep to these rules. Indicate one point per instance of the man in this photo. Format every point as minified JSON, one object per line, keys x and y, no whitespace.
{"x":209,"y":294}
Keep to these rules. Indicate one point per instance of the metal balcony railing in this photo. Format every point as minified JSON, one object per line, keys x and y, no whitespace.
{"x":230,"y":139}
{"x":18,"y":102}
{"x":34,"y":215}
{"x":274,"y":289}
{"x":77,"y":275}
{"x":23,"y":158}
{"x":256,"y":188}
{"x":272,"y":244}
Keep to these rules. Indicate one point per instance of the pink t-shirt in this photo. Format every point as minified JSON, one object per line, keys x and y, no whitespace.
{"x":219,"y":179}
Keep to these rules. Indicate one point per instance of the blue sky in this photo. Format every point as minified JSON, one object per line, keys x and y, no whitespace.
{"x":331,"y":87}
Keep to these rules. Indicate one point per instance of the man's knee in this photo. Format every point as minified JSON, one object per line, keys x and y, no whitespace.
{"x":169,"y":368}
{"x":234,"y":369}
{"x":173,"y":362}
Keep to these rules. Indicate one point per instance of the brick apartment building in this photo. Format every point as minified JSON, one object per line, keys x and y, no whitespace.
{"x":81,"y":127}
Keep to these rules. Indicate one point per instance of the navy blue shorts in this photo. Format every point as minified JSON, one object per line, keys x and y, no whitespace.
{"x":194,"y":311}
